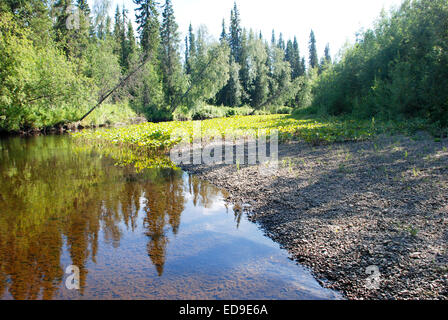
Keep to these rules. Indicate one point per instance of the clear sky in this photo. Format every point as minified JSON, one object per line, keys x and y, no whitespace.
{"x":333,"y":21}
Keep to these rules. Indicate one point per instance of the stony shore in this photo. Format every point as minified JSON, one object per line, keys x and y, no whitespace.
{"x":342,"y":208}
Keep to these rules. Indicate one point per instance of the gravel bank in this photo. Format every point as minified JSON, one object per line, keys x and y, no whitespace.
{"x":341,"y":208}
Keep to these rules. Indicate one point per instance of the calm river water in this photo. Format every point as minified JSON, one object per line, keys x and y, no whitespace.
{"x":156,"y":234}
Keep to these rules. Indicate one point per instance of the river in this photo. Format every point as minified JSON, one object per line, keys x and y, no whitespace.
{"x":154,"y":234}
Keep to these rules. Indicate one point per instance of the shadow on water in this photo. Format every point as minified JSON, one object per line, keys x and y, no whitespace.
{"x":152,"y":234}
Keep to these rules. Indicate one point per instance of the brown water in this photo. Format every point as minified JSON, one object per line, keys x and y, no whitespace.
{"x":157,"y":234}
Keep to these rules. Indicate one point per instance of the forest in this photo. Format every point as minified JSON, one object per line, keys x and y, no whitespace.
{"x":60,"y":58}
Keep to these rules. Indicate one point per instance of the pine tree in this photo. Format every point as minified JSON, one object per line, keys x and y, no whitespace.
{"x":148,"y":26}
{"x":169,"y":57}
{"x":83,"y":6}
{"x":118,"y":29}
{"x":234,"y":89}
{"x":289,"y":53}
{"x":326,"y":59}
{"x":314,"y":59}
{"x":235,"y":34}
{"x":120,"y":36}
{"x":187,"y":56}
{"x":150,"y":96}
{"x":72,"y":27}
{"x":190,"y":49}
{"x":273,"y":41}
{"x":327,"y":54}
{"x":281,"y":42}
{"x":130,"y":46}
{"x":297,"y":68}
{"x":223,"y":37}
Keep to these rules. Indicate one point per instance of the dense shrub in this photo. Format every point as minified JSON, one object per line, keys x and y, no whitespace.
{"x":38,"y":86}
{"x":397,"y":70}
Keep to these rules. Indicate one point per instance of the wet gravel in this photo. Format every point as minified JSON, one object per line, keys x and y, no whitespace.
{"x":342,"y":208}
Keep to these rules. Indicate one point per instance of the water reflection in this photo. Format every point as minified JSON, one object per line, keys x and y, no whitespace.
{"x":63,"y":204}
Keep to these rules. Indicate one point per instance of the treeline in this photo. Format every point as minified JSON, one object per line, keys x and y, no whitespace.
{"x":397,"y":70}
{"x":59,"y":59}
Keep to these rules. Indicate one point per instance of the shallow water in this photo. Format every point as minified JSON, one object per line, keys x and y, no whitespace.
{"x":157,"y":234}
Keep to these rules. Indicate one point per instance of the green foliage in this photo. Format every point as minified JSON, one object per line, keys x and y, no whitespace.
{"x":52,"y":73}
{"x":110,"y":114}
{"x":160,"y":137}
{"x":209,"y":71}
{"x":398,"y":70}
{"x":170,"y":65}
{"x":204,"y":112}
{"x":39,"y":87}
{"x":313,"y":58}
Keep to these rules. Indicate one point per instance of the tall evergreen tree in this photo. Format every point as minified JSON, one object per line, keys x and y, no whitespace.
{"x":327,"y":54}
{"x":72,"y":27}
{"x":233,"y":88}
{"x":314,"y":59}
{"x":295,"y":60}
{"x":235,"y":34}
{"x":169,"y":56}
{"x":326,"y":59}
{"x":130,"y":49}
{"x":118,"y":28}
{"x":190,"y":49}
{"x":150,"y":95}
{"x":281,"y":42}
{"x":223,"y":36}
{"x":148,"y":26}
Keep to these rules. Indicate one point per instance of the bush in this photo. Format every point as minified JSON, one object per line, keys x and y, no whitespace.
{"x":278,"y":110}
{"x":398,"y":70}
{"x":39,"y":86}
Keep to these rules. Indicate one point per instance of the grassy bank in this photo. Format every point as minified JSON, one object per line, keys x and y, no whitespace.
{"x":160,"y":137}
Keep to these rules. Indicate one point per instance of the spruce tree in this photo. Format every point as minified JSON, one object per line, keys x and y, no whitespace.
{"x":326,"y":59}
{"x":187,"y":56}
{"x":151,"y":92}
{"x":223,"y":36}
{"x":281,"y":42}
{"x":190,"y":49}
{"x":148,"y":26}
{"x":298,"y":68}
{"x":169,"y":54}
{"x":314,"y":59}
{"x":130,"y":46}
{"x":72,"y":27}
{"x":235,"y":34}
{"x":327,"y":54}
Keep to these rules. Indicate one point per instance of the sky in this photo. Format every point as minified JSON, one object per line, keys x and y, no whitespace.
{"x":333,"y":22}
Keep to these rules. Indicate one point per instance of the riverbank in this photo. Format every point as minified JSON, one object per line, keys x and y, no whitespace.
{"x":340,"y":208}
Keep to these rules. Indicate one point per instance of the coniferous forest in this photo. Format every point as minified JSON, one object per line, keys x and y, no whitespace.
{"x":60,"y":58}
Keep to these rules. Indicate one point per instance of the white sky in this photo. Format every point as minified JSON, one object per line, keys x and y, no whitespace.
{"x":333,"y":21}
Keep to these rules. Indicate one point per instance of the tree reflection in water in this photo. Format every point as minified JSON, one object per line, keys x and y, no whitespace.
{"x":55,"y":195}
